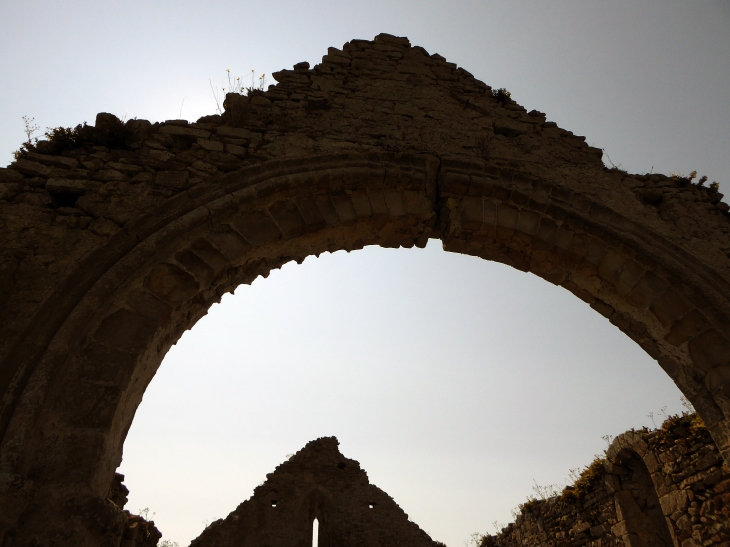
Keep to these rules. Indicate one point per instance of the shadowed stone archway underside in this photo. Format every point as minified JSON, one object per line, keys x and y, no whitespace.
{"x":116,"y":241}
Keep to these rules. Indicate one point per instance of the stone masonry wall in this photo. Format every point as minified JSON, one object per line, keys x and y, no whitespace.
{"x":63,"y":199}
{"x":659,"y":488}
{"x":317,"y":482}
{"x":116,"y":238}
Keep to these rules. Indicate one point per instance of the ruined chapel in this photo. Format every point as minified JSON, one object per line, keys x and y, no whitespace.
{"x":117,"y":237}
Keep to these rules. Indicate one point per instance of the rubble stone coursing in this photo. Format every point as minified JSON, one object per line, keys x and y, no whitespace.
{"x":137,"y":531}
{"x":317,"y":482}
{"x":117,"y":240}
{"x":660,"y":488}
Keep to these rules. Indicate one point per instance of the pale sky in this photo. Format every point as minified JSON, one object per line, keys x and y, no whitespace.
{"x":454,"y":381}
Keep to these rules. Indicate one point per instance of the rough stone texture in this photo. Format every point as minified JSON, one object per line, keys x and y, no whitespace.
{"x":118,"y":492}
{"x":138,"y":532}
{"x":317,"y":482}
{"x":112,"y":247}
{"x":660,"y":488}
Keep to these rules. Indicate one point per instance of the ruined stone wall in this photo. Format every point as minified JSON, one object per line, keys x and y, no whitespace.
{"x":116,"y":238}
{"x":658,"y":488}
{"x":317,"y":482}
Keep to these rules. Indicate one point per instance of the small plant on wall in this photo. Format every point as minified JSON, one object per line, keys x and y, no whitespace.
{"x":502,"y":95}
{"x":236,"y":85}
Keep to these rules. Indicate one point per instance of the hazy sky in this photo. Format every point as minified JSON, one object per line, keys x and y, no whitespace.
{"x":454,"y":381}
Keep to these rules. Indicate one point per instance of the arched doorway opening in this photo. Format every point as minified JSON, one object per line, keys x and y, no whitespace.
{"x":639,"y":513}
{"x":434,"y":369}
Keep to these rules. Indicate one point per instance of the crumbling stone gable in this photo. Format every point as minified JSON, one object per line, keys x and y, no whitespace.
{"x":317,"y":482}
{"x":661,"y":488}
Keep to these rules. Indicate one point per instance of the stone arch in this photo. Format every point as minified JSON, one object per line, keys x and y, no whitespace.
{"x":638,"y":483}
{"x":501,"y":184}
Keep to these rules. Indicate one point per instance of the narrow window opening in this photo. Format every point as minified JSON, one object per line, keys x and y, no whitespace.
{"x":371,"y":505}
{"x":315,"y":533}
{"x":273,"y":503}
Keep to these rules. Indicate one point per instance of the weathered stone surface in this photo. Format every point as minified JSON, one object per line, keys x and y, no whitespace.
{"x":317,"y":482}
{"x":660,"y":488}
{"x":380,"y":144}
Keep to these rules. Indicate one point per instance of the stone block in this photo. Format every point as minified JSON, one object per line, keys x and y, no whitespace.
{"x":53,"y":161}
{"x":125,"y":328}
{"x":213,"y":146}
{"x":670,"y":307}
{"x":379,"y":206}
{"x":510,"y":128}
{"x":202,"y":272}
{"x":93,"y":406}
{"x":648,"y":288}
{"x":528,"y":222}
{"x":238,"y":133}
{"x":204,"y":167}
{"x":10,"y":175}
{"x":507,"y":218}
{"x":176,"y":180}
{"x":563,"y":238}
{"x":685,"y":328}
{"x":619,"y":529}
{"x":32,"y":168}
{"x":361,"y":203}
{"x":328,"y":211}
{"x":394,"y":199}
{"x":65,"y":186}
{"x":454,"y":183}
{"x":490,"y":216}
{"x":126,"y":168}
{"x":343,"y":205}
{"x":611,"y":265}
{"x":708,"y":350}
{"x":161,"y":155}
{"x":257,"y":227}
{"x":579,"y":246}
{"x":581,"y":293}
{"x":628,"y":277}
{"x":229,"y":242}
{"x":171,"y":284}
{"x":547,"y":230}
{"x":8,"y":190}
{"x":336,"y":59}
{"x":103,"y":227}
{"x":184,"y":131}
{"x":674,"y":501}
{"x":717,"y":380}
{"x":210,"y":255}
{"x":147,"y":305}
{"x":287,"y":216}
{"x":594,"y":251}
{"x":235,"y":149}
{"x":310,"y":213}
{"x":109,"y":175}
{"x":472,"y":213}
{"x":415,"y":203}
{"x":601,"y":307}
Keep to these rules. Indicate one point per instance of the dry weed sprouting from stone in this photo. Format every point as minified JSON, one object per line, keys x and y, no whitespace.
{"x":502,"y":95}
{"x":686,"y":180}
{"x":236,"y":85}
